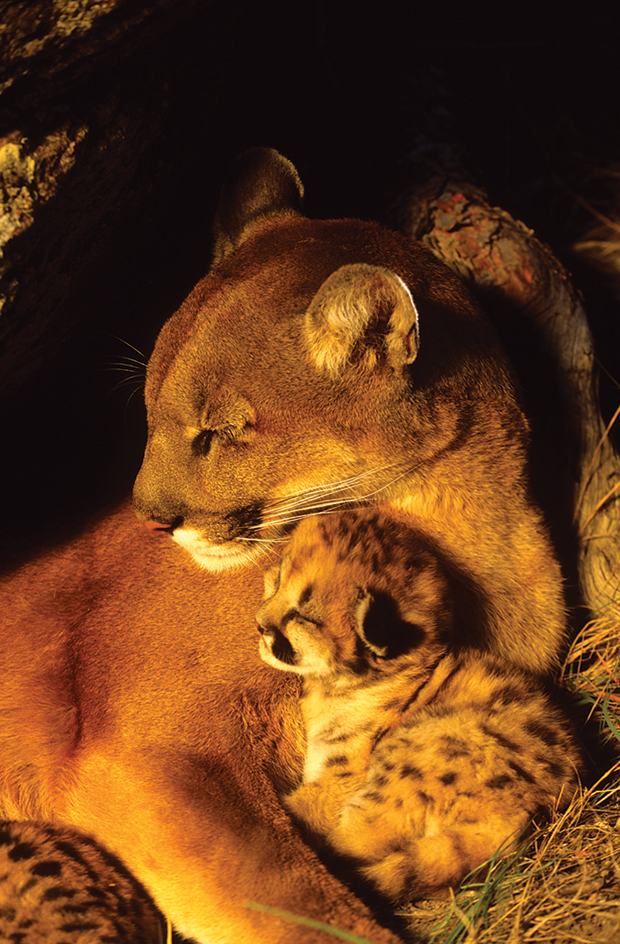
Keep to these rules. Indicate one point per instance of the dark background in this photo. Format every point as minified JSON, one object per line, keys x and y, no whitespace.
{"x":526,"y":95}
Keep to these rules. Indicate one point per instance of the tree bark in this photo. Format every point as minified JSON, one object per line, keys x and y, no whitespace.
{"x":512,"y":269}
{"x":85,"y":106}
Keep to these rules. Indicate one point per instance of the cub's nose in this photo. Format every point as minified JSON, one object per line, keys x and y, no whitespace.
{"x":265,"y":629}
{"x":264,"y":624}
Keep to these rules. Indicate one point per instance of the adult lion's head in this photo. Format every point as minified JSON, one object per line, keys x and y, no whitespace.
{"x":318,"y":362}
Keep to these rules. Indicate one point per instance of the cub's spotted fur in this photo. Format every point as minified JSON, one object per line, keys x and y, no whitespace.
{"x":59,"y":887}
{"x":423,"y":760}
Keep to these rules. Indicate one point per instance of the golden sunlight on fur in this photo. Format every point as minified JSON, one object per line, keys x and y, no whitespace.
{"x":318,"y":364}
{"x":422,"y":763}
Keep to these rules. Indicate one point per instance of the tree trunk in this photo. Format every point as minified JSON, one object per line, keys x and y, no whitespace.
{"x":520,"y":277}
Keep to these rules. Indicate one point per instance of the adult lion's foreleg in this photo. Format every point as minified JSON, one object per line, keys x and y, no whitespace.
{"x":217,"y":853}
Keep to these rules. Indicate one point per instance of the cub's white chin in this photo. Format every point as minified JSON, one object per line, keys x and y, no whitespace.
{"x":217,"y":557}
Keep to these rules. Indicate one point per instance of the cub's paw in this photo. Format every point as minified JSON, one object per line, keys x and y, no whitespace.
{"x":318,"y":806}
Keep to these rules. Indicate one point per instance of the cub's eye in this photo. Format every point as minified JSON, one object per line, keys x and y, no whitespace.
{"x":308,"y":620}
{"x":203,"y":441}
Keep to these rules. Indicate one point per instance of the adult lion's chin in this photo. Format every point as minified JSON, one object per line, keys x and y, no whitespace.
{"x":219,"y":557}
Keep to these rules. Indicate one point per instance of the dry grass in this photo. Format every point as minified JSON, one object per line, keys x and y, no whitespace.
{"x":565,"y":884}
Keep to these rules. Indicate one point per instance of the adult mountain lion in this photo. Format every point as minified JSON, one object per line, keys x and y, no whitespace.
{"x":317,"y":364}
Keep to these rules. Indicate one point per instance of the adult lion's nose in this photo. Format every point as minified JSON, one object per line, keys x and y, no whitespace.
{"x":163,"y":527}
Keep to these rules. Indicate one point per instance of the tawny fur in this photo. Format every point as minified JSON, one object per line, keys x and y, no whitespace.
{"x":133,"y":702}
{"x":421,"y":764}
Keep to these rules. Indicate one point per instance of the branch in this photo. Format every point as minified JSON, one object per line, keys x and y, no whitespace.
{"x":502,"y":257}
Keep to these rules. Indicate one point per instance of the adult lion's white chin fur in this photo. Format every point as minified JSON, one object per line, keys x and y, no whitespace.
{"x":217,"y":557}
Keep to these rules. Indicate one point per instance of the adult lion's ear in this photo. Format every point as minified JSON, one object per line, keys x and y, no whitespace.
{"x":261,"y":182}
{"x":362,"y":313}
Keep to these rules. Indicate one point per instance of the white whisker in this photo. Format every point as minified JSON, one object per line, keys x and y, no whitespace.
{"x":127,"y":381}
{"x":304,"y":511}
{"x":128,"y":363}
{"x":322,"y":499}
{"x":143,"y":357}
{"x":329,"y":487}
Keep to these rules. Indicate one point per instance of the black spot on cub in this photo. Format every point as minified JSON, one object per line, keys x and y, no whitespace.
{"x":448,"y":778}
{"x":82,"y":908}
{"x":554,"y":768}
{"x":6,"y":839}
{"x":23,"y":850}
{"x":49,"y":869}
{"x":499,"y":782}
{"x":74,"y":926}
{"x":69,"y":850}
{"x":306,"y":594}
{"x":375,"y":796}
{"x":59,"y":891}
{"x":337,"y":760}
{"x":453,"y":747}
{"x":408,"y":770}
{"x":501,"y":739}
{"x":521,"y":772}
{"x":542,"y":731}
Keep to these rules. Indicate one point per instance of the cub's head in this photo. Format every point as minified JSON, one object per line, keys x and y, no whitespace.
{"x":294,"y":376}
{"x":355,"y":593}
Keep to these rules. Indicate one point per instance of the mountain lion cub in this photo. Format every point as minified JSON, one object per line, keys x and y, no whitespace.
{"x":422,"y":761}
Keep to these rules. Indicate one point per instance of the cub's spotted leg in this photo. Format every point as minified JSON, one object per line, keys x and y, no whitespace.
{"x":59,"y":887}
{"x":428,"y":867}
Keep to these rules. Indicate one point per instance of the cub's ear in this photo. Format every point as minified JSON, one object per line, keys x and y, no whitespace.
{"x":380,"y":626}
{"x":362,"y":313}
{"x":261,"y":182}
